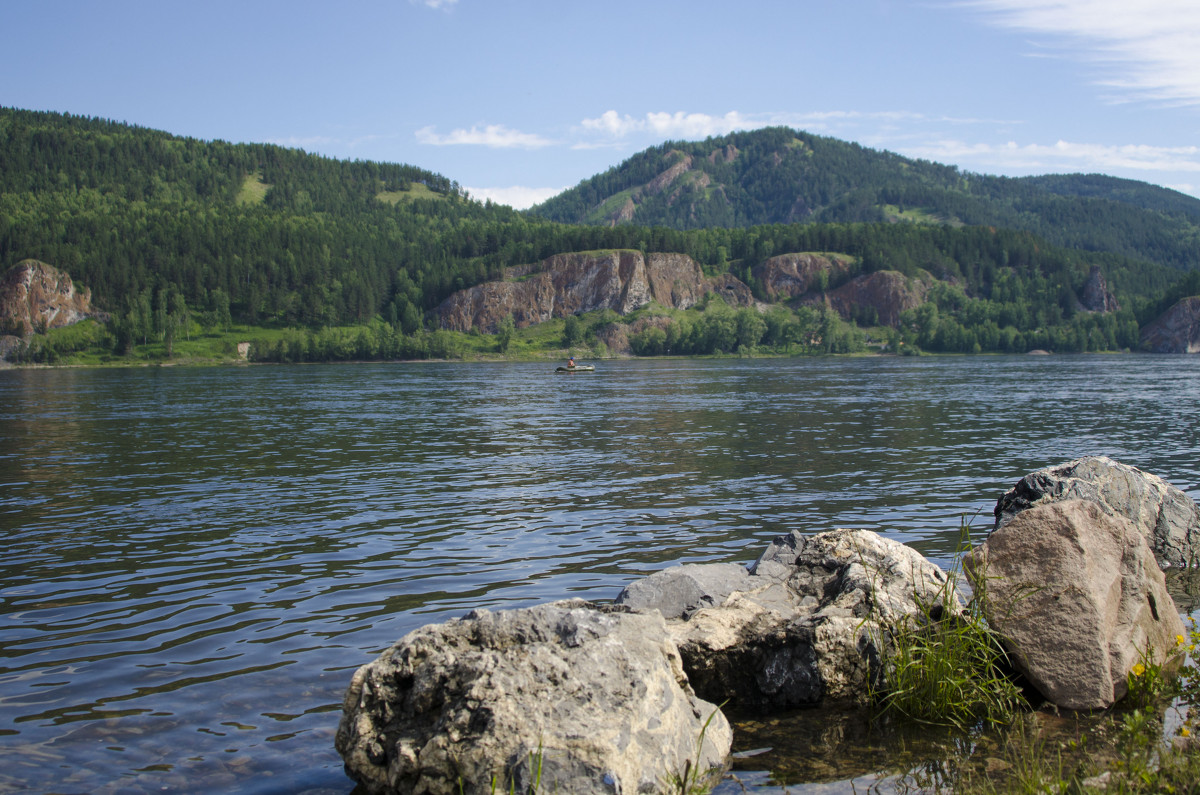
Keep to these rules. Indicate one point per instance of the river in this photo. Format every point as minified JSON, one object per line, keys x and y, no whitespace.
{"x":197,"y":559}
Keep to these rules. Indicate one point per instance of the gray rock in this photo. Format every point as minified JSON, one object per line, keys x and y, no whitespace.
{"x":805,"y":626}
{"x":679,"y":591}
{"x":598,"y":693}
{"x":1168,"y":518}
{"x":1076,"y":593}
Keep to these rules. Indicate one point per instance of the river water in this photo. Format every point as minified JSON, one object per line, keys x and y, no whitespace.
{"x":196,"y":560}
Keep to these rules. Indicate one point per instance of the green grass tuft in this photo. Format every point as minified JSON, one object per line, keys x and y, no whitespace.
{"x":946,"y":667}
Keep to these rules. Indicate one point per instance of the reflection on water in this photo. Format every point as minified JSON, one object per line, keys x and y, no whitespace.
{"x":197,"y":559}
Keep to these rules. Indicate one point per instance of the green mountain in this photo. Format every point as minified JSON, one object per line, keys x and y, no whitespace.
{"x":781,"y":176}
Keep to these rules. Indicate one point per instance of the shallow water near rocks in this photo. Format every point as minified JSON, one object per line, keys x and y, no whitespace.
{"x":196,"y":560}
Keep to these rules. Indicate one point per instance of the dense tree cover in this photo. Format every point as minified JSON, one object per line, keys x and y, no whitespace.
{"x":171,"y":233}
{"x":780,"y":175}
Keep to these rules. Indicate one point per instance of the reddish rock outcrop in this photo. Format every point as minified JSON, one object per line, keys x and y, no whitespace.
{"x":793,"y":275}
{"x":1175,"y":331}
{"x":663,"y":180}
{"x":568,"y":284}
{"x":887,"y":292}
{"x":1096,"y":297}
{"x":34,"y":295}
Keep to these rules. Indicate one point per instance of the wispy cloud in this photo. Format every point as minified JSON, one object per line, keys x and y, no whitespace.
{"x":518,"y":197}
{"x":435,"y":4}
{"x":1062,"y":156}
{"x":1145,"y":50}
{"x":612,"y":126}
{"x":670,"y":125}
{"x":495,"y":136}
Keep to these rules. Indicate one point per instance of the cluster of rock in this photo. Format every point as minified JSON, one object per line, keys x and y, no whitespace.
{"x":619,"y":698}
{"x":570,"y":284}
{"x":626,"y":280}
{"x":34,"y":295}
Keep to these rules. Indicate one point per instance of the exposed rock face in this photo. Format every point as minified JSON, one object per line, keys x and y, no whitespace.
{"x":1096,"y":297}
{"x":34,"y":295}
{"x":568,"y":284}
{"x":662,"y":181}
{"x":726,"y":155}
{"x":793,"y":275}
{"x":1076,"y":593}
{"x":601,"y":691}
{"x":1175,"y":331}
{"x":1168,"y":518}
{"x":888,"y":292}
{"x":803,"y":626}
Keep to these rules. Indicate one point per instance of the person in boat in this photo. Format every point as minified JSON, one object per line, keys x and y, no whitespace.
{"x":571,"y":362}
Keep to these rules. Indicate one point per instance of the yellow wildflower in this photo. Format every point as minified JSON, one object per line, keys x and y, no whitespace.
{"x":1184,"y":732}
{"x":1179,"y":640}
{"x":1138,"y":669}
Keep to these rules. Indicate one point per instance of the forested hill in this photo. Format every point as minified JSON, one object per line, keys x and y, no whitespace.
{"x":780,"y":175}
{"x":275,"y":233}
{"x":158,"y":225}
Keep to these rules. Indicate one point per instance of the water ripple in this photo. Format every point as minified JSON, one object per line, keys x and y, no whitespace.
{"x":196,"y":560}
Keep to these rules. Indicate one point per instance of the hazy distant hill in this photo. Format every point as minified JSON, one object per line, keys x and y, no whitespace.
{"x":779,"y":175}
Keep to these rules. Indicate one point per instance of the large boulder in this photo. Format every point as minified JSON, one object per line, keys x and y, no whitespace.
{"x":1077,"y":595}
{"x":1168,"y":518}
{"x":805,"y":625}
{"x":594,"y":697}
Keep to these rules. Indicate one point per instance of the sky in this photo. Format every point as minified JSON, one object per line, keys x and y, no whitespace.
{"x":518,"y":100}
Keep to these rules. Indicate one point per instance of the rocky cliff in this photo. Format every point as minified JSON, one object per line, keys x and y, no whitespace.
{"x":1175,"y":331}
{"x":793,"y":275}
{"x":569,"y":284}
{"x":1096,"y":297}
{"x":36,"y":296}
{"x":888,"y":293}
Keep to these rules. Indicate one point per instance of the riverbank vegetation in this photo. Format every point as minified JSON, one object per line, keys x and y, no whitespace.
{"x":949,"y":670}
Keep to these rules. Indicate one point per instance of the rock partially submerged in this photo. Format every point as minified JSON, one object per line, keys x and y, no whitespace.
{"x":1077,"y":595}
{"x":805,"y":625}
{"x":582,"y":697}
{"x":1168,"y":518}
{"x":620,"y":698}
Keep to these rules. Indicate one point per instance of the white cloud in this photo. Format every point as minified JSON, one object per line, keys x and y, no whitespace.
{"x":1062,"y":156}
{"x":435,"y":4}
{"x":672,"y":125}
{"x":495,"y":136}
{"x":1147,"y":49}
{"x":518,"y":197}
{"x":612,"y":126}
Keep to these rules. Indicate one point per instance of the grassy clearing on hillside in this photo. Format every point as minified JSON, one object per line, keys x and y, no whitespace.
{"x":253,"y":189}
{"x":610,"y":206}
{"x":919,"y":215}
{"x":416,"y":190}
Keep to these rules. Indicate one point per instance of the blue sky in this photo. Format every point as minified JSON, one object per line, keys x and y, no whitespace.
{"x":518,"y":100}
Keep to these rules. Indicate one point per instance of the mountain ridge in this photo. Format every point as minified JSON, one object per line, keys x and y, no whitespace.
{"x":780,"y":175}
